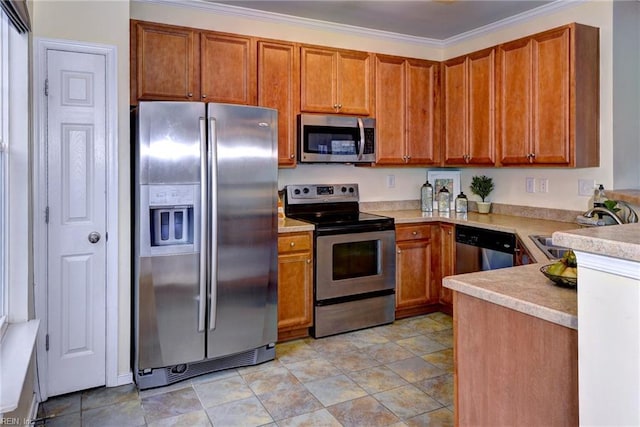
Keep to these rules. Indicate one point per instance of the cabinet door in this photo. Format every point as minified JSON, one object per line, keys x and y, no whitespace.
{"x":514,"y":97}
{"x":164,"y":62}
{"x":447,"y":261}
{"x":294,"y":290}
{"x":481,"y":132}
{"x":279,"y":88}
{"x":551,"y":97}
{"x":354,"y":83}
{"x":318,"y":80}
{"x":422,"y":106}
{"x":295,"y":285}
{"x":416,"y":273}
{"x":455,"y":114}
{"x":228,"y":68}
{"x":413,"y":274}
{"x":390,"y":85}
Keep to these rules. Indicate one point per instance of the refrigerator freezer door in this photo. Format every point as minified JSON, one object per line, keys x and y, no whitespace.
{"x":243,"y":171}
{"x":167,"y":287}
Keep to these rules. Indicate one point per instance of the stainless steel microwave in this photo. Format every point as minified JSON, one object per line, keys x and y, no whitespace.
{"x":336,"y":139}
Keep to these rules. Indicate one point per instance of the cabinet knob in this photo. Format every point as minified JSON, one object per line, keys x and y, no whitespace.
{"x":449,"y":232}
{"x":308,"y":261}
{"x":292,"y":244}
{"x":399,"y":251}
{"x":292,"y":156}
{"x":415,"y":233}
{"x":190,"y":94}
{"x":204,"y":96}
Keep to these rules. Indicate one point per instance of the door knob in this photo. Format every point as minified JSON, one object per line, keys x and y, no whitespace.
{"x":94,"y":237}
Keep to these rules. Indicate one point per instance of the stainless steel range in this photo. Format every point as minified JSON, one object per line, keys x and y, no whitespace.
{"x":354,"y":258}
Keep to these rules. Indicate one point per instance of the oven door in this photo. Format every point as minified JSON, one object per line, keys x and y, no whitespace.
{"x":355,"y":264}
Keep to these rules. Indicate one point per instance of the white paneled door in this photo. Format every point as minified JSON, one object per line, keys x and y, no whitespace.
{"x":76,"y":230}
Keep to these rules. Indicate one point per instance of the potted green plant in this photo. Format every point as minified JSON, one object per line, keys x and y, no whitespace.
{"x":482,"y":186}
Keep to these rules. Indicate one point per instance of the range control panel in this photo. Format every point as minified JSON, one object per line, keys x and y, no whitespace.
{"x":322,"y":193}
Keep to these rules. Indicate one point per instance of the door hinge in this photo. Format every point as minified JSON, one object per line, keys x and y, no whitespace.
{"x":46,"y":215}
{"x":46,"y":87}
{"x":46,"y":343}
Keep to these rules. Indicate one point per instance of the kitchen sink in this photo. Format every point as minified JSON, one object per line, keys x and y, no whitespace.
{"x":545,"y":244}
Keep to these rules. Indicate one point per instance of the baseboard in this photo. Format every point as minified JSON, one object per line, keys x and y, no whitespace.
{"x":123,"y":379}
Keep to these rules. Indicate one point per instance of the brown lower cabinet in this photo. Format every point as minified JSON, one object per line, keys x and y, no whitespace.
{"x":295,"y":285}
{"x":417,"y":287}
{"x":447,"y":263}
{"x":512,"y":369}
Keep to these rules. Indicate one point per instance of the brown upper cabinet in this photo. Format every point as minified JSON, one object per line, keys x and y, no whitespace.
{"x":165,"y":62}
{"x":548,"y":98}
{"x":468,"y":113}
{"x":279,"y":88}
{"x":184,"y":64}
{"x":335,"y":81}
{"x":406,"y":110}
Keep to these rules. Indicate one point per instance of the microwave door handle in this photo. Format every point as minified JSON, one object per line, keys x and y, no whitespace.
{"x":361,"y":143}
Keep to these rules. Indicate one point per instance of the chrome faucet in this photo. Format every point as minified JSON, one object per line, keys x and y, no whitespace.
{"x":591,"y":212}
{"x":629,"y":217}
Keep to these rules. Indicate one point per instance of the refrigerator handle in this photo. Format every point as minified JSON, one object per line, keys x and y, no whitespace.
{"x":213,"y":222}
{"x":204,"y":225}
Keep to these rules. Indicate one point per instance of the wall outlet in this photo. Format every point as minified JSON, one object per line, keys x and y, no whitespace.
{"x":391,"y":181}
{"x":543,"y":185}
{"x":586,"y":187}
{"x":530,"y":184}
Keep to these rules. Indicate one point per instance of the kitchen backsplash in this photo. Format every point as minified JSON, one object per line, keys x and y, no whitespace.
{"x":496,"y":208}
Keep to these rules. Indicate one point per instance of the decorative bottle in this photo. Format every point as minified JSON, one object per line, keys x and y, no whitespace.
{"x":444,"y":200}
{"x":461,"y":203}
{"x":599,"y":197}
{"x":426,"y":197}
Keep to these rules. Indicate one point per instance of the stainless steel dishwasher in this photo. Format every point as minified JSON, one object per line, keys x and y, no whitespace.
{"x":479,"y":249}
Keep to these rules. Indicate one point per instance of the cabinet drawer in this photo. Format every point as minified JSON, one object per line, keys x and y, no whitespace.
{"x":413,"y":232}
{"x":294,"y":242}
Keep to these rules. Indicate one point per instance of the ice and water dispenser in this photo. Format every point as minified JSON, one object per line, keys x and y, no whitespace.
{"x":173,"y":217}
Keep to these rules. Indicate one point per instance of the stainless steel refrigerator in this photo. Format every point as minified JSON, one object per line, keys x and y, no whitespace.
{"x":205,"y":239}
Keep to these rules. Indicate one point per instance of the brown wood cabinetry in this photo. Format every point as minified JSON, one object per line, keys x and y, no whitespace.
{"x":279,"y":88}
{"x":416,"y":270}
{"x":512,"y":368}
{"x":335,"y":81}
{"x":295,"y":285}
{"x":227,"y":68}
{"x":184,"y":64}
{"x":406,"y":110}
{"x":447,"y":263}
{"x":468,"y":113}
{"x":548,"y":98}
{"x":165,"y":62}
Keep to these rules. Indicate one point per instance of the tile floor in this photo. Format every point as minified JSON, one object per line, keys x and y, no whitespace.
{"x":393,"y":375}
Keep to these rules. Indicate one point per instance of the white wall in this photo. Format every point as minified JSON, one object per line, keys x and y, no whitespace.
{"x":626,"y":94}
{"x":105,"y":22}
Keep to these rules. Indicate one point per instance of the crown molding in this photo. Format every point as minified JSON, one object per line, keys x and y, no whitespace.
{"x":546,"y":9}
{"x":278,"y":18}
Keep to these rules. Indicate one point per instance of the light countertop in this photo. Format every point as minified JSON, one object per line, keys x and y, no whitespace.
{"x":288,"y":225}
{"x":522,"y":289}
{"x":616,"y":241}
{"x":523,"y":227}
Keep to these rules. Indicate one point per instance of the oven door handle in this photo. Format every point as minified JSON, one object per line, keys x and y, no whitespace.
{"x":361,"y":143}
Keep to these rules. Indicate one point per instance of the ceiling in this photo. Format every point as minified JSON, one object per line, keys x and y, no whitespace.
{"x":429,"y":19}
